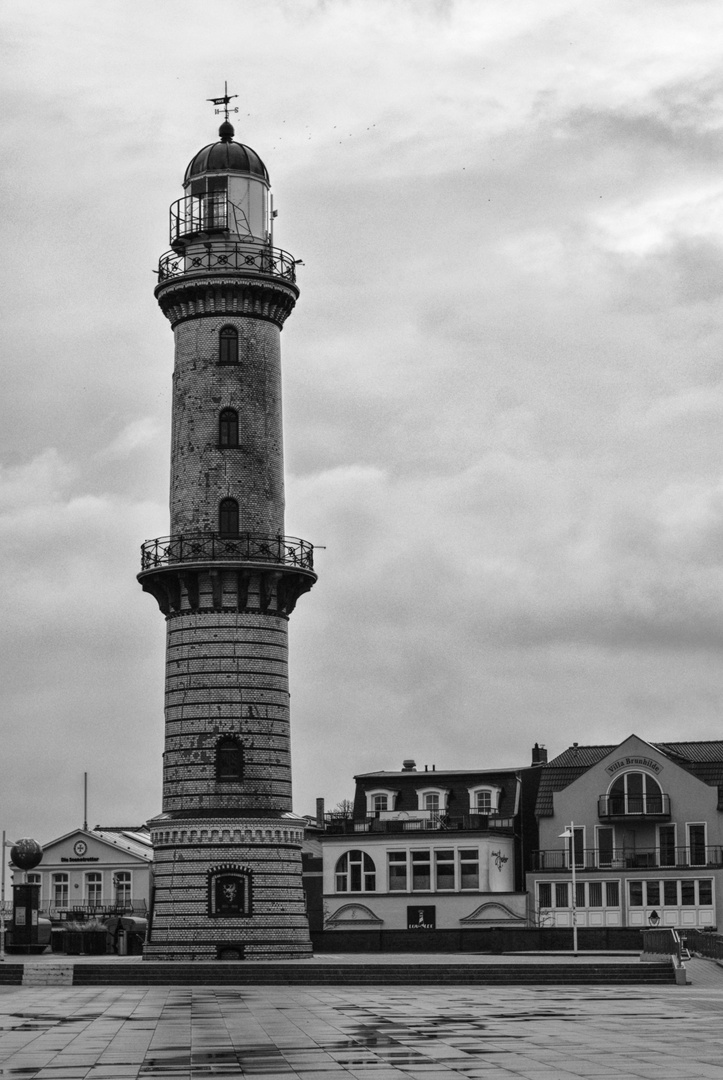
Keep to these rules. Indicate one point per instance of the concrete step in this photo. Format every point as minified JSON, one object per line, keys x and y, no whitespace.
{"x":256,"y":974}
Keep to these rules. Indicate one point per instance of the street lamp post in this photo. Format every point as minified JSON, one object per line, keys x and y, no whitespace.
{"x":2,"y":902}
{"x":569,"y":834}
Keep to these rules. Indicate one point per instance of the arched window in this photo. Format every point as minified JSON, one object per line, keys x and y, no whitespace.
{"x":229,"y":761}
{"x":228,"y":517}
{"x":635,"y":793}
{"x":228,"y":345}
{"x":228,"y":428}
{"x":229,"y":891}
{"x":355,"y":872}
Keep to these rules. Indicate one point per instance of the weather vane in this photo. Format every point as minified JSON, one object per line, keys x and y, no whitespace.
{"x":223,"y":101}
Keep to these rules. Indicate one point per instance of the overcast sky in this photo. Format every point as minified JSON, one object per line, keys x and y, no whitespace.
{"x":503,"y":392}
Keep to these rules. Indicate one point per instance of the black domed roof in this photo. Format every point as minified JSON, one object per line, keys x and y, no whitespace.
{"x":226,"y":156}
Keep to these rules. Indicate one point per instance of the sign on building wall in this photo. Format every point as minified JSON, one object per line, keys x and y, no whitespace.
{"x":626,"y":762}
{"x":421,"y":918}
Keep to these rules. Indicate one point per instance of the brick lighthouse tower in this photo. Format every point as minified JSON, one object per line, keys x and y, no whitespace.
{"x":227,"y":850}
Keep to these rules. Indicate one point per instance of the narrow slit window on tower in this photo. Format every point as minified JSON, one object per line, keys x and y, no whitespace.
{"x":229,"y":761}
{"x":228,"y":517}
{"x":228,"y":345}
{"x":228,"y":428}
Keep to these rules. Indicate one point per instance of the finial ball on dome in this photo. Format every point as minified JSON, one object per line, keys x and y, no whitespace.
{"x":226,"y":131}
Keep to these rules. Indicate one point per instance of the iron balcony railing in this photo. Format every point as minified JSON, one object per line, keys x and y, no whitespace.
{"x":68,"y":912}
{"x":253,"y":258}
{"x":211,"y":547}
{"x":622,"y":806}
{"x":193,"y":215}
{"x":624,"y":859}
{"x":342,"y":823}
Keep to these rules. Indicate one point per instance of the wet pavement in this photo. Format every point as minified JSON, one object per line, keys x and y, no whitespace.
{"x":382,"y":1033}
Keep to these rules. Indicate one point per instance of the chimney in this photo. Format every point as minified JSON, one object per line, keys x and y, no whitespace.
{"x":539,"y":755}
{"x":320,"y":813}
{"x":409,"y":765}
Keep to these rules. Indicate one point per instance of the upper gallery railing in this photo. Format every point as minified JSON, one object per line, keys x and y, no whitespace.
{"x":242,"y":547}
{"x":246,"y":257}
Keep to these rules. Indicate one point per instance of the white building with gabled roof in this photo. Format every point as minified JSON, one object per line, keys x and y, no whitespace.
{"x":94,"y":872}
{"x":647,"y":824}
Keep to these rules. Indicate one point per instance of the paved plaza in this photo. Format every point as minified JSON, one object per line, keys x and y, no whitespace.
{"x":381,"y":1033}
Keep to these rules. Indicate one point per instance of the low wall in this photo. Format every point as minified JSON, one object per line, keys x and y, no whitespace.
{"x":512,"y":939}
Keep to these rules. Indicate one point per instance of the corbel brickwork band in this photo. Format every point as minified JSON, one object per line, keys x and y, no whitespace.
{"x":260,"y":298}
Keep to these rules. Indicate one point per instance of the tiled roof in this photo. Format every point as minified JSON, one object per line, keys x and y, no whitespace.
{"x":427,"y":775}
{"x":694,"y":751}
{"x":702,"y":759}
{"x":580,"y":756}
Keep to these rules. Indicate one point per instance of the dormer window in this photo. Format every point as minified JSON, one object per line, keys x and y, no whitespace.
{"x":433,"y":800}
{"x":380,"y":800}
{"x":484,"y":799}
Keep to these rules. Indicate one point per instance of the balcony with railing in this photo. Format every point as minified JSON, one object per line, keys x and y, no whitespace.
{"x":224,"y":256}
{"x":105,"y":907}
{"x":665,"y":858}
{"x":245,"y":547}
{"x":196,"y":217}
{"x":416,"y":821}
{"x":622,"y":805}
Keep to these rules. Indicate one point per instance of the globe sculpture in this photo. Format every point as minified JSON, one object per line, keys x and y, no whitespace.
{"x":26,"y":854}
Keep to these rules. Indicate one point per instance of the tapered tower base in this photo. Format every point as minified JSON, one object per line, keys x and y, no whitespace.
{"x":204,"y":907}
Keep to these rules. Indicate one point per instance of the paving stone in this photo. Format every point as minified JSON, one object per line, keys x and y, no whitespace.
{"x":378,"y":1033}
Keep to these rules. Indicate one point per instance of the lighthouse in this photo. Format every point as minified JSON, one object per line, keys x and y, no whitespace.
{"x":227,"y":848}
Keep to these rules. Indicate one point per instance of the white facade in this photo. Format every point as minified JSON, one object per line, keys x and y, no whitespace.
{"x":433,"y":878}
{"x":648,"y":838}
{"x":94,"y":871}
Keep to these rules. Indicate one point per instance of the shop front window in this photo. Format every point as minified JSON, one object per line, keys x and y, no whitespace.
{"x":469,"y":868}
{"x":444,"y":868}
{"x":421,"y":871}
